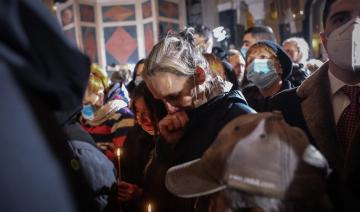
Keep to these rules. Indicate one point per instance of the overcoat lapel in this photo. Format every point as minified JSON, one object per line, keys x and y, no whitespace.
{"x":318,"y":114}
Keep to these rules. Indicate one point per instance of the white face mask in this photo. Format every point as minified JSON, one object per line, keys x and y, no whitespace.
{"x":138,"y":80}
{"x":344,"y":46}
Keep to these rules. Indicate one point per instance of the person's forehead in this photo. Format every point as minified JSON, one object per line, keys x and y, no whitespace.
{"x":259,"y":50}
{"x":162,"y":85}
{"x":139,"y":103}
{"x":290,"y":45}
{"x":344,"y":6}
{"x":249,"y":36}
{"x":235,"y":57}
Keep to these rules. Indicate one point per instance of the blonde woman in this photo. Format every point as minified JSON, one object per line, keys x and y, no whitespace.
{"x":107,"y":120}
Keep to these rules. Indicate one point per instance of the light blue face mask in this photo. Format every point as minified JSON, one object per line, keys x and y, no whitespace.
{"x":88,"y":112}
{"x":243,"y":51}
{"x":262,"y":73}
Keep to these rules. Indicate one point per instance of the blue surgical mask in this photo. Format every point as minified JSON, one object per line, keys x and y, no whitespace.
{"x":262,"y":73}
{"x":243,"y":51}
{"x":88,"y":112}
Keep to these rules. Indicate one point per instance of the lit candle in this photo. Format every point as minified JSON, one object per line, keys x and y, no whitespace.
{"x":149,"y":207}
{"x":118,"y":152}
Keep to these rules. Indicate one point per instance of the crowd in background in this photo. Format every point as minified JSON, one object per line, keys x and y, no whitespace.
{"x":263,"y":127}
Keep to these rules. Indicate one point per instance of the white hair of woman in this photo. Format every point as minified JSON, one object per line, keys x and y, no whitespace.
{"x":177,"y":54}
{"x":302,"y":47}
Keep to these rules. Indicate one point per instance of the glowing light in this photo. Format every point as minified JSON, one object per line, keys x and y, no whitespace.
{"x":118,"y":152}
{"x":149,"y":208}
{"x":294,"y":15}
{"x":301,"y":12}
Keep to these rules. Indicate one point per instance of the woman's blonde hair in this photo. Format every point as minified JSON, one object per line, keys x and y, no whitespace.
{"x":176,"y":54}
{"x":98,"y":79}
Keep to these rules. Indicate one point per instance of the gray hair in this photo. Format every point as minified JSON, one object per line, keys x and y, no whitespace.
{"x":302,"y":47}
{"x":122,"y":74}
{"x":176,"y":54}
{"x":238,"y":200}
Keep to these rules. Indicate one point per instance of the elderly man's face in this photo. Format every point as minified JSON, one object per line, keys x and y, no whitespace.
{"x":292,"y":51}
{"x":238,"y":64}
{"x":175,"y":91}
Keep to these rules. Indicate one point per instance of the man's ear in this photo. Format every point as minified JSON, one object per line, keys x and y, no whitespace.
{"x":323,"y":39}
{"x":199,"y":75}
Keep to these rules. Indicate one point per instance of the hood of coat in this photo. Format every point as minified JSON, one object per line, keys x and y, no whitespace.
{"x":46,"y":62}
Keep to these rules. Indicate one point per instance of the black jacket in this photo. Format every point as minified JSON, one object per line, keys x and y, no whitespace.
{"x":97,"y":171}
{"x":202,"y":129}
{"x":256,"y":100}
{"x":47,"y":76}
{"x":206,"y":122}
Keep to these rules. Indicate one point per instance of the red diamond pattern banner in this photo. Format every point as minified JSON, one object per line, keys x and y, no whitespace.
{"x":121,"y":45}
{"x":119,"y":13}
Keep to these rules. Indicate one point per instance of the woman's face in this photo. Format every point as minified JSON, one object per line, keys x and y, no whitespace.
{"x":140,"y":69}
{"x":143,"y":115}
{"x":94,"y":99}
{"x":175,"y":91}
{"x":262,"y":53}
{"x":292,"y":51}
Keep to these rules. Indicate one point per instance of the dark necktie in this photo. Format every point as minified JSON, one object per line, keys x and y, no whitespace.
{"x":350,"y":118}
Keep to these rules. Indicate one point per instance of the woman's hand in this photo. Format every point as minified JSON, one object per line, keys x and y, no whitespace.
{"x":171,"y":126}
{"x":127,"y":191}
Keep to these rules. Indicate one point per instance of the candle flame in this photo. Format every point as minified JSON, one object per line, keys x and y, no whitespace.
{"x":118,"y":152}
{"x":149,"y":208}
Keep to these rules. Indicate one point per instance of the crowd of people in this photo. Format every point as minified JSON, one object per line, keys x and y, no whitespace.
{"x":192,"y":128}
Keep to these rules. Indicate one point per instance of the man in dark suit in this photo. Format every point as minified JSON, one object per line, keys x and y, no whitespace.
{"x":327,"y":104}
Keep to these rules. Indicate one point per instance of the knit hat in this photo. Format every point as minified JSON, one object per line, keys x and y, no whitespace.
{"x":283,"y":58}
{"x":258,"y":154}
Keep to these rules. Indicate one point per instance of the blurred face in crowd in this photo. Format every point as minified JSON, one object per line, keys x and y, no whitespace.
{"x":139,"y":69}
{"x":142,"y":115}
{"x":248,"y":40}
{"x":174,"y":90}
{"x":238,"y":63}
{"x":292,"y":51}
{"x":205,"y":46}
{"x":263,"y":52}
{"x":94,"y":99}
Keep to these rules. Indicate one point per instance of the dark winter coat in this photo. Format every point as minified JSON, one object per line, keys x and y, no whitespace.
{"x":205,"y":123}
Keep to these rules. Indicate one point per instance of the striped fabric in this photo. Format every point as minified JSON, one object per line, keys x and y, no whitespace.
{"x":111,"y":133}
